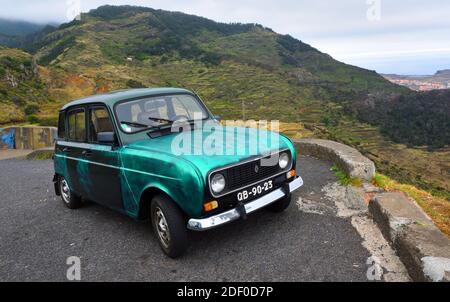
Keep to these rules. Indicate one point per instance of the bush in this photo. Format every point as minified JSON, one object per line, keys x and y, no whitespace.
{"x":135,"y":84}
{"x":48,"y":121}
{"x":31,"y":109}
{"x":19,"y":102}
{"x":33,"y":119}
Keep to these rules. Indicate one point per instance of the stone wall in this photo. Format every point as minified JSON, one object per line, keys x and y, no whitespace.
{"x":29,"y":137}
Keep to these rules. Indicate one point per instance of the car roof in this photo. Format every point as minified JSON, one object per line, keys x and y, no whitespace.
{"x":112,"y":97}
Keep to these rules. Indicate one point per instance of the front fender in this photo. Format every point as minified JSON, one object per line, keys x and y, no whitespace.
{"x":176,"y":177}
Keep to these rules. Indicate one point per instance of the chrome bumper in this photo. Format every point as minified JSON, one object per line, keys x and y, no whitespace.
{"x":233,"y":214}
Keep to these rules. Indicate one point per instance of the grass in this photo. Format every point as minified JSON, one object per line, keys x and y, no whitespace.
{"x":42,"y":155}
{"x":344,"y":179}
{"x":436,"y":207}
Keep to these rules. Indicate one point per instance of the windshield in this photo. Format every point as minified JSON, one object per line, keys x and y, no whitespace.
{"x":149,"y":112}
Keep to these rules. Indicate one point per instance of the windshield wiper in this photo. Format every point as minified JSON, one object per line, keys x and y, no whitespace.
{"x":135,"y":125}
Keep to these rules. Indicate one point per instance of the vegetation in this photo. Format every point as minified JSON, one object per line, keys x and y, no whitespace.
{"x":21,"y":89}
{"x":416,"y":118}
{"x":344,"y":179}
{"x":13,"y":32}
{"x":40,"y":155}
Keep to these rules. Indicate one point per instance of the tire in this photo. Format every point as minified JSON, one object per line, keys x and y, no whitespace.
{"x":69,"y":199}
{"x":280,"y":205}
{"x":169,"y":226}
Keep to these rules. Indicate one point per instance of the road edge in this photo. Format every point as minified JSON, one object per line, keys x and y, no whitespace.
{"x":346,"y":158}
{"x":420,"y":245}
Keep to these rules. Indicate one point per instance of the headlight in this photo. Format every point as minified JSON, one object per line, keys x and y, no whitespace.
{"x":283,"y":160}
{"x":217,"y":183}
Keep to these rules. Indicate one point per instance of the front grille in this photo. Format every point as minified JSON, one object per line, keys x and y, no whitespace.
{"x":242,"y":175}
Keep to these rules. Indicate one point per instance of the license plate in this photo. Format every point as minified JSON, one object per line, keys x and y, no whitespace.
{"x":254,"y":191}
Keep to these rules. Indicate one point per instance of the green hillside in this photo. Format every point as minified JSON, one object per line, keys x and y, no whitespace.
{"x":21,"y":90}
{"x":239,"y":69}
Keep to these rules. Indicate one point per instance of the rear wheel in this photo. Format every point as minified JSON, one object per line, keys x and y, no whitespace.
{"x":69,"y":199}
{"x":280,"y":205}
{"x":169,"y":226}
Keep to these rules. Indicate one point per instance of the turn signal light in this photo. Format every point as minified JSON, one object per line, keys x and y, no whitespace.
{"x":209,"y":206}
{"x":290,"y":174}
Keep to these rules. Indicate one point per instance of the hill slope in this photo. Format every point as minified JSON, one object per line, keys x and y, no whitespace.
{"x":21,"y":89}
{"x":233,"y":66}
{"x":416,"y":118}
{"x":13,"y":32}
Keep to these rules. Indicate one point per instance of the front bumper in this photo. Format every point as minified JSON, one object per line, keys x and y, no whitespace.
{"x":236,"y":213}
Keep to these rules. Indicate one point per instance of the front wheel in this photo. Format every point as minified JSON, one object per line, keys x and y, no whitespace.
{"x":169,"y":226}
{"x":280,"y":205}
{"x":69,"y":199}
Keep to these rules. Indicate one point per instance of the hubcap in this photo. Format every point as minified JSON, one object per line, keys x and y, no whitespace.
{"x":65,"y":191}
{"x":162,"y":228}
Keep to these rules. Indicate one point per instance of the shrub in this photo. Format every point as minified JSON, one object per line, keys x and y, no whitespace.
{"x":31,"y":109}
{"x":48,"y":121}
{"x":135,"y":84}
{"x":344,"y":179}
{"x":33,"y":119}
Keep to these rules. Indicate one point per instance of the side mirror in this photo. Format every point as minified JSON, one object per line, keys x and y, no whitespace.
{"x":217,"y":118}
{"x":106,"y":137}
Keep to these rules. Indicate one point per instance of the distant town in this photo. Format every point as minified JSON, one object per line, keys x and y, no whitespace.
{"x":440,"y":80}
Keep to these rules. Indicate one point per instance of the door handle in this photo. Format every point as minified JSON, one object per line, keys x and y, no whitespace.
{"x":66,"y":149}
{"x":86,"y":153}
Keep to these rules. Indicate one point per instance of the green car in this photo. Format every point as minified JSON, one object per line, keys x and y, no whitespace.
{"x":160,"y":154}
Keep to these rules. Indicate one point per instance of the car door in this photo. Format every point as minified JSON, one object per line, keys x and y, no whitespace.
{"x":72,"y":149}
{"x":104,"y":184}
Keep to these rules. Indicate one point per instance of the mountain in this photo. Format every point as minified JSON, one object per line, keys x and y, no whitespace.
{"x":242,"y":71}
{"x":12,"y":32}
{"x":416,"y":118}
{"x":21,"y":89}
{"x":228,"y":64}
{"x":440,"y":80}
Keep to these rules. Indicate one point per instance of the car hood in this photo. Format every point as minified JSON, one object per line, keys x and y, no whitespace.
{"x":203,"y":149}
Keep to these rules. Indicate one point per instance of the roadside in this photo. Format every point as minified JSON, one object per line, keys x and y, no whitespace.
{"x":421,"y":246}
{"x":14,"y":153}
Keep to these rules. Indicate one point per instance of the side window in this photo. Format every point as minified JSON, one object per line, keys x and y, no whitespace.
{"x":99,"y":121}
{"x":77,"y":125}
{"x":62,"y":125}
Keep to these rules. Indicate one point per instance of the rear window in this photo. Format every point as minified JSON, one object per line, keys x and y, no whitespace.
{"x":62,"y":125}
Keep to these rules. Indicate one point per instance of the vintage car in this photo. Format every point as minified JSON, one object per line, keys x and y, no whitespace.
{"x":117,"y":149}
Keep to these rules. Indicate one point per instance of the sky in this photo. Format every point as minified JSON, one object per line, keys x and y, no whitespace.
{"x":389,"y":36}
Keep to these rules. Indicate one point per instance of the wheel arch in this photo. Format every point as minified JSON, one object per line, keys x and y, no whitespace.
{"x":146,"y":198}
